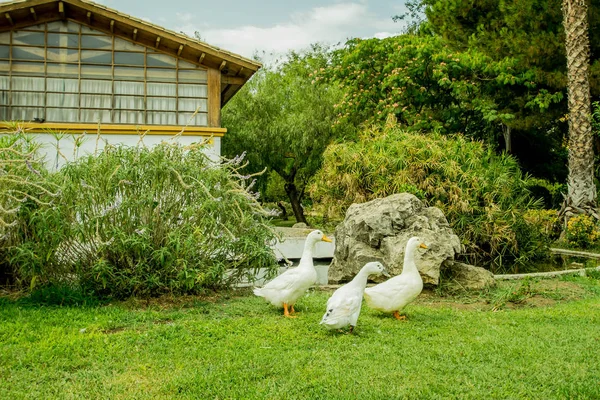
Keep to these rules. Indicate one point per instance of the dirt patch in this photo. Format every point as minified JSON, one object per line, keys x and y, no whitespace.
{"x":539,"y":301}
{"x":112,"y":331}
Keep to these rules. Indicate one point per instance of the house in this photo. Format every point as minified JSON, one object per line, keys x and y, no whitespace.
{"x":71,"y":67}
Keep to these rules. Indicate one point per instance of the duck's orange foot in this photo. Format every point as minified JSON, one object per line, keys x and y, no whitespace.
{"x":286,"y":312}
{"x":399,"y":317}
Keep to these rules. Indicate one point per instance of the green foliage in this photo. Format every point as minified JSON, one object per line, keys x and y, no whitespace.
{"x":283,"y":120}
{"x":528,"y":30}
{"x":551,"y":193}
{"x":24,"y":184}
{"x":138,"y":221}
{"x":483,"y":195}
{"x":582,"y":231}
{"x":428,"y":86}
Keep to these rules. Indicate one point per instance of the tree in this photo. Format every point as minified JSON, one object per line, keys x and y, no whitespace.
{"x":429,"y":86}
{"x":531,"y":32}
{"x":283,"y":120}
{"x":581,"y":197}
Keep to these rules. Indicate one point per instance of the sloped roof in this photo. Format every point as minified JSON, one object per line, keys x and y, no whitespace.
{"x":235,"y":69}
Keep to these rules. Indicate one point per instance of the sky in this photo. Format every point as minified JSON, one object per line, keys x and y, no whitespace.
{"x":268,"y":26}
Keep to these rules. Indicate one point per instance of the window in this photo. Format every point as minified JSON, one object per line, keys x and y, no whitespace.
{"x":67,"y":72}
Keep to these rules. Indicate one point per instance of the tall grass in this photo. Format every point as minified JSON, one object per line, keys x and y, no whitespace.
{"x":483,"y":195}
{"x":23,"y":183}
{"x":139,"y":221}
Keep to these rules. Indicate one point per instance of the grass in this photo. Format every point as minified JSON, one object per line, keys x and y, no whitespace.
{"x":543,"y":345}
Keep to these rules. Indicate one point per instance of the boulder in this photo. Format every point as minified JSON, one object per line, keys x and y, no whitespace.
{"x":468,"y":276}
{"x":378,"y":231}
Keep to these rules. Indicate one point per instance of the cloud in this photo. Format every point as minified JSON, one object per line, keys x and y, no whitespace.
{"x":329,"y":24}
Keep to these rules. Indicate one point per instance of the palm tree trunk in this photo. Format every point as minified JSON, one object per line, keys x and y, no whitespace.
{"x":581,"y":197}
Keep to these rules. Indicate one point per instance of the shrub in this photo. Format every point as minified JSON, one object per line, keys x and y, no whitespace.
{"x":582,"y":231}
{"x":23,"y":184}
{"x":135,"y":221}
{"x":483,"y":195}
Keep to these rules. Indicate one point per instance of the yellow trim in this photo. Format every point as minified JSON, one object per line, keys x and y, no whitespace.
{"x":114,"y":129}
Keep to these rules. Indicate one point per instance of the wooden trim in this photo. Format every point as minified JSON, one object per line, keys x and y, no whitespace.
{"x":113,"y":129}
{"x":179,"y":50}
{"x":135,"y":32}
{"x":89,"y":17}
{"x":9,"y":18}
{"x":201,"y":58}
{"x":233,"y":80}
{"x":33,"y":14}
{"x":159,"y":31}
{"x":112,"y":26}
{"x":157,"y":42}
{"x":61,"y":9}
{"x":20,"y":4}
{"x":214,"y":97}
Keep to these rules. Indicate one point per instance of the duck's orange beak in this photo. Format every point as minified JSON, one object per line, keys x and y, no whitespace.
{"x":326,"y":239}
{"x":422,"y":245}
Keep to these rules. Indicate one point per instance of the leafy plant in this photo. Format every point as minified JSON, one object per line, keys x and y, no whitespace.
{"x":24,"y":184}
{"x":283,"y":120}
{"x":483,"y":195}
{"x":138,"y":221}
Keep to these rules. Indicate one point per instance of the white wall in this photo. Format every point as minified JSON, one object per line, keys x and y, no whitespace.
{"x":90,"y":143}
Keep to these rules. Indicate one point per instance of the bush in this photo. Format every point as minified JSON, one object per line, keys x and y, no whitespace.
{"x":23,"y":184}
{"x":582,"y":231}
{"x":483,"y":195}
{"x":135,"y":221}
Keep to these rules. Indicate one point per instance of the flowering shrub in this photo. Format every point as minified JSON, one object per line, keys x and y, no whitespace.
{"x":582,"y":231}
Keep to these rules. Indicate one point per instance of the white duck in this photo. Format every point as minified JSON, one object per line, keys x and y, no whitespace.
{"x":285,"y":289}
{"x":395,"y":293}
{"x":343,"y":307}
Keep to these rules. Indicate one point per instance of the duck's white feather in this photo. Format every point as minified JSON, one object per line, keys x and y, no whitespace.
{"x":290,"y":286}
{"x":343,"y":307}
{"x":395,"y":293}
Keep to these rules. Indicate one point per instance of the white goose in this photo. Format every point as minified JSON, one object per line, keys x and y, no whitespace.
{"x":284,"y":290}
{"x":395,"y":293}
{"x":343,"y":307}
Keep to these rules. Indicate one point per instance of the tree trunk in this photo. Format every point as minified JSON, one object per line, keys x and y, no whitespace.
{"x":507,"y":138}
{"x":294,"y":197}
{"x":284,"y":215}
{"x":581,"y":197}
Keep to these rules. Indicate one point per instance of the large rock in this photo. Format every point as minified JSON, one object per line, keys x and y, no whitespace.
{"x":378,"y":231}
{"x":468,"y":276}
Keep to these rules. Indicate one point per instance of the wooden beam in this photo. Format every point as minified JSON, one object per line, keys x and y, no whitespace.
{"x":135,"y":31}
{"x":233,"y":80}
{"x":114,"y":129}
{"x":89,"y":17}
{"x":201,"y":58}
{"x":157,"y":42}
{"x":112,"y":26}
{"x":9,"y":18}
{"x":214,"y":97}
{"x":222,"y":65}
{"x":144,"y":27}
{"x":61,"y":9}
{"x":179,"y":50}
{"x":33,"y":14}
{"x":239,"y":73}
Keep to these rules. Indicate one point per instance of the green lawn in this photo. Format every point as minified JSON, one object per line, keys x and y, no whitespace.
{"x":238,"y":346}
